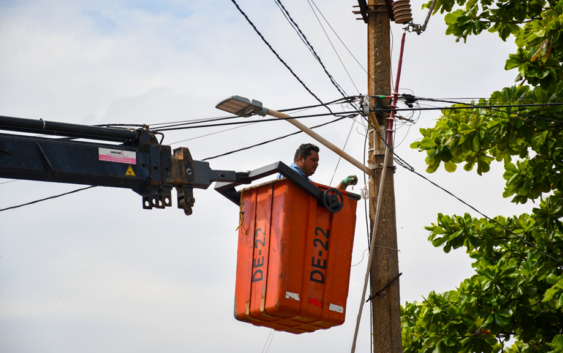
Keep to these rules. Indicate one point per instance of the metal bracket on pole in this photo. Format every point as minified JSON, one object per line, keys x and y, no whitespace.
{"x":380,"y":166}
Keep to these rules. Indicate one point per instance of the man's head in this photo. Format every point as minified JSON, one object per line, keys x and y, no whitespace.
{"x":307,"y":158}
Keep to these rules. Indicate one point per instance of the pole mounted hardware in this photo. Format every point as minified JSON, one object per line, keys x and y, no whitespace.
{"x":365,"y":9}
{"x":378,"y":293}
{"x":402,"y":11}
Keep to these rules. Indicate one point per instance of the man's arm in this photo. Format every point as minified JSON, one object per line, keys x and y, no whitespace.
{"x":349,"y":180}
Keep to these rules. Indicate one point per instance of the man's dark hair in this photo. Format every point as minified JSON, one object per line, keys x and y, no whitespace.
{"x":305,"y":151}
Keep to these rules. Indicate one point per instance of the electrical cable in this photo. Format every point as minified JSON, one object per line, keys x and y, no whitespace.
{"x":229,"y":117}
{"x":502,"y":106}
{"x":277,"y":55}
{"x":219,"y":118}
{"x":209,"y":158}
{"x":471,"y":107}
{"x":47,"y":198}
{"x":210,"y":120}
{"x":332,"y":45}
{"x":340,"y":157}
{"x":256,"y":121}
{"x":336,"y":101}
{"x":396,"y":157}
{"x":368,"y":237}
{"x":401,"y":162}
{"x":306,"y":41}
{"x":491,"y":107}
{"x":378,"y":110}
{"x":8,"y":182}
{"x":295,"y":29}
{"x":484,"y":215}
{"x":267,"y":340}
{"x":271,"y":339}
{"x":213,"y":133}
{"x":362,"y":260}
{"x":341,"y":41}
{"x":534,"y":99}
{"x":273,"y":140}
{"x":404,"y":138}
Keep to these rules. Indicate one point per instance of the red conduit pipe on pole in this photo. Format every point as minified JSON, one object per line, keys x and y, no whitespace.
{"x":395,"y":94}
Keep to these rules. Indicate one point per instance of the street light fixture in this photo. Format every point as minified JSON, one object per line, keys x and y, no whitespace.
{"x":242,"y":106}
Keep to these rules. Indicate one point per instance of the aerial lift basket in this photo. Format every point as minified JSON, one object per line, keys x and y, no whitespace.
{"x":294,"y":258}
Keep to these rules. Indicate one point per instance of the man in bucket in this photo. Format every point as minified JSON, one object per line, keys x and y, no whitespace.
{"x":306,"y":161}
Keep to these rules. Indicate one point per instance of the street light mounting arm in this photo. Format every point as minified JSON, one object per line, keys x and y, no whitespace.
{"x":242,"y":106}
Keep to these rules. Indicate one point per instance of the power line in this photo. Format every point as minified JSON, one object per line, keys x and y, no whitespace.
{"x":47,"y":198}
{"x":534,"y":99}
{"x":332,"y":45}
{"x":336,"y":101}
{"x":306,"y":41}
{"x":257,"y":121}
{"x":230,"y":117}
{"x":503,"y":106}
{"x":209,"y":158}
{"x":271,"y":338}
{"x":213,"y":133}
{"x":341,"y":41}
{"x":226,"y":117}
{"x":277,"y":55}
{"x":484,"y":215}
{"x":273,"y":140}
{"x":343,"y":148}
{"x":491,"y":107}
{"x":401,"y":162}
{"x":8,"y":182}
{"x":218,"y":132}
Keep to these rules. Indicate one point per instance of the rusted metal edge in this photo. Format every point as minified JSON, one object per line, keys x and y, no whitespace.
{"x":389,"y":4}
{"x":363,"y":9}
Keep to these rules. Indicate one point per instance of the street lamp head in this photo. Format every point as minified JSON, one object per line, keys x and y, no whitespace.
{"x":242,"y":106}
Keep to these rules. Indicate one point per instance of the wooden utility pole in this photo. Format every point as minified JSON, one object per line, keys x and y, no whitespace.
{"x":385,"y":266}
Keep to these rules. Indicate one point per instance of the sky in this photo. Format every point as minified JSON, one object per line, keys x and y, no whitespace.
{"x":93,"y":271}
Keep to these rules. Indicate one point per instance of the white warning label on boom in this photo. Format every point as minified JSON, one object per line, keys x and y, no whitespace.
{"x":117,"y":156}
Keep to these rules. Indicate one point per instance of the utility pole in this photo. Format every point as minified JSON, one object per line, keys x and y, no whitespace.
{"x":385,"y":266}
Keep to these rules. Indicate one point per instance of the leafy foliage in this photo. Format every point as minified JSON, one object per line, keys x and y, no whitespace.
{"x":517,"y":289}
{"x":477,"y":137}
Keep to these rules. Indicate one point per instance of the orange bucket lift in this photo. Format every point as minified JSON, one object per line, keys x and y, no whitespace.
{"x":294,"y":252}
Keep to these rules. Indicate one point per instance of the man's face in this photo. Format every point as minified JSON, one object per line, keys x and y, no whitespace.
{"x":308,"y":165}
